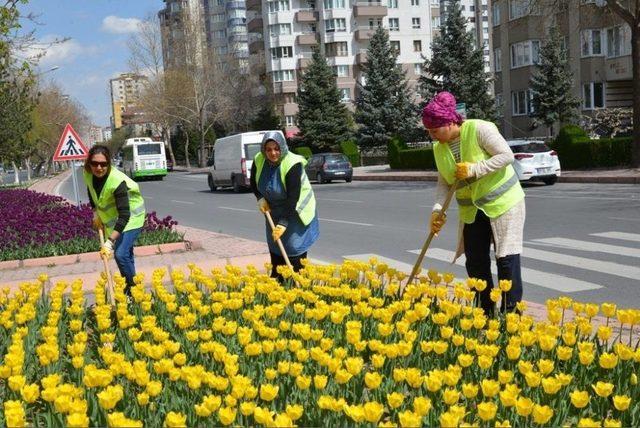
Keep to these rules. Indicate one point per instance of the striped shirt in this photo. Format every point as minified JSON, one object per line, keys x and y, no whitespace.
{"x":455,"y":149}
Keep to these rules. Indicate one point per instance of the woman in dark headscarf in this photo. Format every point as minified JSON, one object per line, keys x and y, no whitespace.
{"x":281,"y":186}
{"x":474,"y":155}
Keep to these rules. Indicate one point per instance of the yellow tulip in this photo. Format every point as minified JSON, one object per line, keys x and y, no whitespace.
{"x":409,"y":419}
{"x":247,"y":408}
{"x":373,"y":411}
{"x":551,"y":385}
{"x":294,"y":411}
{"x":421,"y":406}
{"x":489,"y":387}
{"x":303,"y":382}
{"x":469,"y":390}
{"x":268,"y":392}
{"x":621,"y":402}
{"x":448,"y":419}
{"x":524,"y":406}
{"x":30,"y":393}
{"x":603,"y":389}
{"x":608,"y":361}
{"x":227,"y":415}
{"x":372,"y":380}
{"x":395,"y":399}
{"x":174,"y":419}
{"x":487,"y":410}
{"x":612,"y":423}
{"x":320,"y":381}
{"x":450,"y":396}
{"x":505,"y":376}
{"x":608,"y":309}
{"x":542,"y":414}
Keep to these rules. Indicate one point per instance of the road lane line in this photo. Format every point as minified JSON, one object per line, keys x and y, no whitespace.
{"x":604,"y":198}
{"x":345,"y":222}
{"x":183,"y":202}
{"x":339,"y":200}
{"x":529,"y":276}
{"x":244,"y":210}
{"x":594,"y":247}
{"x":634,"y":237}
{"x":623,"y":219}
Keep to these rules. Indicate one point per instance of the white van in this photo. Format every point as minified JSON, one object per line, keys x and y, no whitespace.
{"x":231,"y":160}
{"x":143,"y":157}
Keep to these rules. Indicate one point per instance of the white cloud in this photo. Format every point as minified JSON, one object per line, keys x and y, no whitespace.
{"x":50,"y":51}
{"x":116,"y":25}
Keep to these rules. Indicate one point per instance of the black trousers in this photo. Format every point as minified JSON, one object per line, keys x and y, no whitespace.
{"x":277,"y":260}
{"x":477,"y":250}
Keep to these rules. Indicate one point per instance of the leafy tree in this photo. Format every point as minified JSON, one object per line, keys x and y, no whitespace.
{"x":457,"y":66}
{"x":551,"y":85}
{"x":323,"y":119}
{"x":384,"y":107}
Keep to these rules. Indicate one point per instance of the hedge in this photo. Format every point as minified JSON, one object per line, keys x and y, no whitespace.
{"x":577,"y":151}
{"x":303,"y":151}
{"x":400,"y":157}
{"x":350,"y":150}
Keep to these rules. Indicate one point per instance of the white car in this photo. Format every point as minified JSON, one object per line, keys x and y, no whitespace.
{"x":535,"y":161}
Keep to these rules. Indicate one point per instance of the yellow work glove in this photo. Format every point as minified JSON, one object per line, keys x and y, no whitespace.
{"x":463,"y":170}
{"x":106,"y":249}
{"x":277,"y":233}
{"x":263,"y":205}
{"x":96,"y":223}
{"x":438,"y":219}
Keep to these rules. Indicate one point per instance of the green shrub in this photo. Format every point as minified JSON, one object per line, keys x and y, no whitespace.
{"x":303,"y":151}
{"x":393,"y":152}
{"x":581,"y":153}
{"x":400,"y":157}
{"x":350,"y":150}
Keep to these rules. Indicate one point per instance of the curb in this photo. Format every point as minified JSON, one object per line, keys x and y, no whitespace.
{"x":94,"y":256}
{"x":561,"y":179}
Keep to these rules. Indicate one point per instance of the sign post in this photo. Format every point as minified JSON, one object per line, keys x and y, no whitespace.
{"x":71,"y":148}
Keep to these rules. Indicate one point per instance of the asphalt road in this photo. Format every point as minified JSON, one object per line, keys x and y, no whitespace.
{"x":582,"y":240}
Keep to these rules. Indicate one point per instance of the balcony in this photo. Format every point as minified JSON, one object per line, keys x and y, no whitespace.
{"x":308,"y":39}
{"x":256,"y":46}
{"x":361,"y":57}
{"x":254,"y":5}
{"x":618,"y":68}
{"x":369,"y":9}
{"x":364,"y":33}
{"x":303,"y":62}
{"x":308,"y":16}
{"x":235,"y":5}
{"x":285,"y":87}
{"x":256,"y":25}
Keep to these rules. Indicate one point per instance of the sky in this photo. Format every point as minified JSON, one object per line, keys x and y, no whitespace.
{"x":96,"y":51}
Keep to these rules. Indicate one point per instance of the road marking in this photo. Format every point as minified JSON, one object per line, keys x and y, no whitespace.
{"x":530,"y":276}
{"x":392,"y":263}
{"x":345,"y":222}
{"x":594,"y":265}
{"x":201,"y":178}
{"x":238,"y":209}
{"x":623,"y":219}
{"x":147,"y":197}
{"x":182,"y":202}
{"x":634,"y":237}
{"x":529,"y":195}
{"x":594,"y":247}
{"x":339,"y":200}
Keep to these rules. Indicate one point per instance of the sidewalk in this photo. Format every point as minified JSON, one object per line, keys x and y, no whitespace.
{"x":384,"y":173}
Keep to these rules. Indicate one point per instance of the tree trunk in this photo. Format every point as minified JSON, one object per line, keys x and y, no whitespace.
{"x":16,"y":173}
{"x":635,"y":61}
{"x":186,"y":149}
{"x":202,"y":147}
{"x":167,"y":133}
{"x":27,"y":162}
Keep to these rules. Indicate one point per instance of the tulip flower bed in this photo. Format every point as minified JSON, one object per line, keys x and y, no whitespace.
{"x":333,"y":346}
{"x":34,"y":224}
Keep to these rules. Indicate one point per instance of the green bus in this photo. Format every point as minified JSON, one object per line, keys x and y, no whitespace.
{"x":143,"y":157}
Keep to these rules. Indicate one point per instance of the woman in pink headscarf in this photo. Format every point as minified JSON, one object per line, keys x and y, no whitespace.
{"x":473,"y":156}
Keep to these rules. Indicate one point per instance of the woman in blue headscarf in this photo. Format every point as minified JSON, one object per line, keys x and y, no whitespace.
{"x":281,"y":186}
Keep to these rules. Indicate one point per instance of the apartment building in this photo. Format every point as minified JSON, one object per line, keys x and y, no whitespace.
{"x":478,"y":19}
{"x":219,"y":23}
{"x":125,"y":94}
{"x":285,"y":31}
{"x":598,"y":47}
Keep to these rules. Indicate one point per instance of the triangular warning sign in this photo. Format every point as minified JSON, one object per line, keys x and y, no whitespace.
{"x":70,"y":146}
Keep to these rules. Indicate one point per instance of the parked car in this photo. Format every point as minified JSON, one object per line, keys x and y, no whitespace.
{"x":535,"y":161}
{"x":324,"y":167}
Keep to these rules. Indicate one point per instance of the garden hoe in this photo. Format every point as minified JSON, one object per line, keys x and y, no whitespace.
{"x":418,"y":265}
{"x":273,"y":226}
{"x":107,"y":272}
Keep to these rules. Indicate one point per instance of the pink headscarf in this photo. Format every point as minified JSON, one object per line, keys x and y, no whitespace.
{"x":441,"y":111}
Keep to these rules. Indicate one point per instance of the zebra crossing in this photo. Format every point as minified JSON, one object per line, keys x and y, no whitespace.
{"x":592,"y":259}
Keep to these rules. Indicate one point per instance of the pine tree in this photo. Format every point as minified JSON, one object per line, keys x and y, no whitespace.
{"x":323,"y":119}
{"x":457,"y":66}
{"x":551,"y":85}
{"x":384,"y":108}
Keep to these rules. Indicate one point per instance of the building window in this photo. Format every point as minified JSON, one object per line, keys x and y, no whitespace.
{"x":415,"y":23}
{"x":591,"y":41}
{"x":394,"y":24}
{"x":290,"y":120}
{"x":592,"y":95}
{"x":435,"y":22}
{"x":395,"y":45}
{"x":221,"y":50}
{"x":417,"y":45}
{"x":417,"y":69}
{"x":392,"y":4}
{"x":518,"y":8}
{"x":618,"y":41}
{"x":345,"y":94}
{"x":218,"y":17}
{"x":283,"y":76}
{"x":415,"y":2}
{"x":281,"y":52}
{"x":496,"y":14}
{"x":220,"y":34}
{"x":497,"y":59}
{"x":278,"y":6}
{"x":525,"y":53}
{"x":334,"y":4}
{"x":279,"y":30}
{"x":521,"y":103}
{"x":337,"y":49}
{"x":332,"y":25}
{"x":341,"y":70}
{"x":499,"y":101}
{"x":375,"y":23}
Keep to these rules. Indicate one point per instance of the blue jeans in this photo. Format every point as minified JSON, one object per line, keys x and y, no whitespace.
{"x":124,"y":255}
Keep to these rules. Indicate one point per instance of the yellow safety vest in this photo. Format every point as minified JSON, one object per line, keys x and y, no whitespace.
{"x":494,"y":193}
{"x":306,"y":205}
{"x":106,"y":203}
